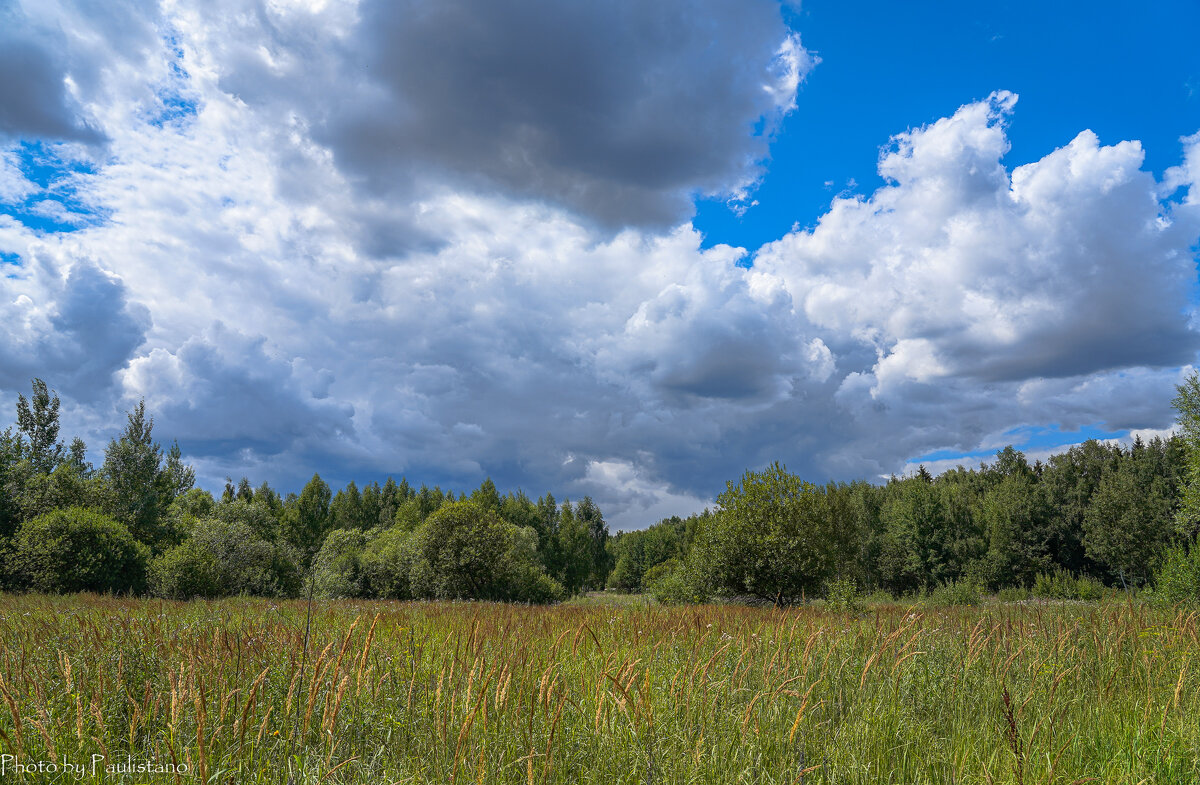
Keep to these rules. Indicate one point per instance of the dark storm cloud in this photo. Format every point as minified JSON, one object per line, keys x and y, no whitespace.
{"x":618,"y":110}
{"x":264,"y":403}
{"x":76,"y":331}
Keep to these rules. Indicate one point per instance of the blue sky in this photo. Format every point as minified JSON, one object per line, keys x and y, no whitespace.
{"x":1124,"y":73}
{"x":625,"y":250}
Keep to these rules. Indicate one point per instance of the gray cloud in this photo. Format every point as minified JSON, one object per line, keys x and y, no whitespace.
{"x":448,"y":306}
{"x":621,"y":111}
{"x":75,"y":326}
{"x":264,"y":403}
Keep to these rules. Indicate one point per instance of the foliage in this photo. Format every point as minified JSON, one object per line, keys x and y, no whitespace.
{"x":464,"y":551}
{"x":771,"y":538}
{"x":1127,"y":526}
{"x":841,"y":594}
{"x":245,"y":564}
{"x":960,"y":592}
{"x":78,"y":549}
{"x":387,"y":564}
{"x":1178,"y":580}
{"x":186,"y":571}
{"x":308,"y":520}
{"x":139,"y":484}
{"x":1187,"y":403}
{"x":338,"y":569}
{"x":38,"y":422}
{"x":1062,"y":585}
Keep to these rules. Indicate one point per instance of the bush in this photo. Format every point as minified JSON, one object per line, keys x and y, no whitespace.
{"x":187,"y":570}
{"x":674,"y":583}
{"x":1062,"y":585}
{"x":387,"y":564}
{"x":530,"y":583}
{"x":959,"y":592}
{"x":338,"y":569}
{"x":659,"y":571}
{"x":464,"y":551}
{"x":1178,"y":580}
{"x":78,"y":549}
{"x":1013,"y":594}
{"x":841,"y":594}
{"x":675,"y":589}
{"x":226,"y":557}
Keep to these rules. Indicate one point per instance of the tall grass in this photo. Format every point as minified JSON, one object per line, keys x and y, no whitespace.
{"x":481,"y":693}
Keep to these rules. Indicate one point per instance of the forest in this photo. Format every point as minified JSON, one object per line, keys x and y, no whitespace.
{"x":1095,"y":517}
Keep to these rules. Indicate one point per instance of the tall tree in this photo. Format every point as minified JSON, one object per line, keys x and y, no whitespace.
{"x":140,"y":487}
{"x":307,"y":521}
{"x":38,"y":421}
{"x":1187,"y":403}
{"x":593,"y":520}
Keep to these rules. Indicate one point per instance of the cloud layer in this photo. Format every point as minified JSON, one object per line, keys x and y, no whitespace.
{"x":432,"y":239}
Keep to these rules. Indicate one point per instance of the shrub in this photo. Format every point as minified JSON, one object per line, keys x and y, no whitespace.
{"x":624,"y":576}
{"x":464,"y":551}
{"x":675,"y":589}
{"x":674,"y":583}
{"x":959,"y":592}
{"x":79,"y":549}
{"x":659,"y":571}
{"x":1178,"y":580}
{"x":1062,"y":585}
{"x":530,"y":583}
{"x":387,"y":564}
{"x":338,"y":569}
{"x":187,"y":570}
{"x":841,"y":594}
{"x":244,"y":562}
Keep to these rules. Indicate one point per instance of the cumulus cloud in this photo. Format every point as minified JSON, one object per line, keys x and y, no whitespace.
{"x":1070,"y":265}
{"x":621,"y":111}
{"x":66,"y":320}
{"x":454,"y":266}
{"x":265,"y":403}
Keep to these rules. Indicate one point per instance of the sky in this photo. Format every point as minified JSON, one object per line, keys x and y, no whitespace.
{"x":625,"y":249}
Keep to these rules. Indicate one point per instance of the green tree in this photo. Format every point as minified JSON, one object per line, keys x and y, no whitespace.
{"x":346,"y":509}
{"x":1187,"y":403}
{"x":338,"y":569}
{"x":140,"y":485}
{"x":1014,"y":516}
{"x":486,"y":495}
{"x":1127,"y":526}
{"x":77,"y":549}
{"x":771,"y":538}
{"x":308,"y":519}
{"x":916,"y":543}
{"x":467,"y":552}
{"x":38,"y":421}
{"x":592,"y":519}
{"x":226,"y":557}
{"x":571,"y":546}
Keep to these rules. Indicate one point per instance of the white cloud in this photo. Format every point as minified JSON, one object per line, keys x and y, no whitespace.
{"x":283,"y":313}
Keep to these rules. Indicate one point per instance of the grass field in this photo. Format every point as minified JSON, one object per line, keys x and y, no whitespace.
{"x":594,"y":692}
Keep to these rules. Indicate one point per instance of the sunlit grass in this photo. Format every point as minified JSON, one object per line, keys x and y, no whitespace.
{"x":600,"y":693}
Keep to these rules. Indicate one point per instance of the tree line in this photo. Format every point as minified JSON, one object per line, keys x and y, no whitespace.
{"x":138,"y":524}
{"x":1097,"y":514}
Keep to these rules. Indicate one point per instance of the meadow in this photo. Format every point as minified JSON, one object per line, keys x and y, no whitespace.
{"x":255,"y":691}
